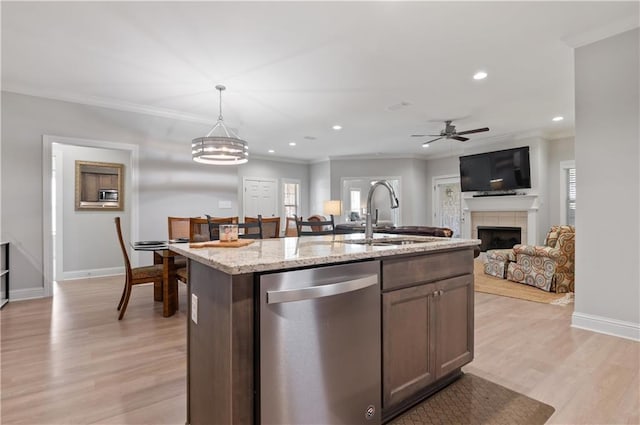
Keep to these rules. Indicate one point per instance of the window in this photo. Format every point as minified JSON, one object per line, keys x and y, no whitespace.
{"x":291,"y":198}
{"x":571,"y":196}
{"x":354,"y":205}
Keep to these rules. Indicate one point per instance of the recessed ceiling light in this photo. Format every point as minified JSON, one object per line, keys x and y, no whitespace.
{"x":292,"y":143}
{"x":558,"y":118}
{"x":271,"y":151}
{"x":425,"y":145}
{"x":337,"y":127}
{"x":480,"y":75}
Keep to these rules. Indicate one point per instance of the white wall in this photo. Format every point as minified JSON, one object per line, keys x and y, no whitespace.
{"x":608,"y":198}
{"x":319,"y":187}
{"x":88,"y":243}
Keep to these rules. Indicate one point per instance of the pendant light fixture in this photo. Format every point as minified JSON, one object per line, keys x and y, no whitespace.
{"x":220,"y":146}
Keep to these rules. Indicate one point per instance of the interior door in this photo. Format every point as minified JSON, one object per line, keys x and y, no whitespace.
{"x":260,"y":197}
{"x":447,"y":204}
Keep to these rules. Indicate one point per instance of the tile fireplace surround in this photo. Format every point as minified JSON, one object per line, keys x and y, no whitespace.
{"x":510,"y":211}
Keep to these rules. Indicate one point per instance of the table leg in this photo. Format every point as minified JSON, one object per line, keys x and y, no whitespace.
{"x":157,"y":288}
{"x":169,"y":287}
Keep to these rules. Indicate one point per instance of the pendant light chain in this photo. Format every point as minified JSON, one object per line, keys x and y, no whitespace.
{"x":220,"y":88}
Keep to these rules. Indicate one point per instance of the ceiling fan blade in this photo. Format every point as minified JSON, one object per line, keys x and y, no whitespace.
{"x":432,"y":140}
{"x":477,"y":130}
{"x":419,"y":135}
{"x":462,"y":139}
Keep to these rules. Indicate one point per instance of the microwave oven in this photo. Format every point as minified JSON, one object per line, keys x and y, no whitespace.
{"x":108,"y":195}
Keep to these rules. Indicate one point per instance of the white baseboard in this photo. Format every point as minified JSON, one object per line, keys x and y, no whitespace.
{"x":83,"y":274}
{"x":25,"y":294}
{"x":605,"y":325}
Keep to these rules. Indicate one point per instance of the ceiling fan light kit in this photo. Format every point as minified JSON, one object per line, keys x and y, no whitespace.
{"x":220,"y":146}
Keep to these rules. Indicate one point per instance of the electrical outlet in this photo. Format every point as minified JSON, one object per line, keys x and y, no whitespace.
{"x":194,"y":308}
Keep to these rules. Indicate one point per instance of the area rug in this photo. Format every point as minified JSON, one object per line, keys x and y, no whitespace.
{"x":506,"y":288}
{"x":476,"y":401}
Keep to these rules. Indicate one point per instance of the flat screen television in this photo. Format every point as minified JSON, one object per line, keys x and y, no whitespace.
{"x":504,"y":170}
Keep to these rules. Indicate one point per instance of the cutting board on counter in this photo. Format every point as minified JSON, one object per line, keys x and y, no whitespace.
{"x":222,"y":244}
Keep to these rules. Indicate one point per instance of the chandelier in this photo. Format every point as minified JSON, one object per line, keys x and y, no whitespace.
{"x":220,"y":146}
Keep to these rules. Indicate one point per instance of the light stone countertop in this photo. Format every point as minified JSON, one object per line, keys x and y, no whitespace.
{"x":292,"y":252}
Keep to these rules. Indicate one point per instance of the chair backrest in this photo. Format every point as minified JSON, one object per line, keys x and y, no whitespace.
{"x":178,"y":227}
{"x":552,"y":237}
{"x":251,"y":229}
{"x":291,"y":227}
{"x":123,"y":247}
{"x":199,"y":230}
{"x":270,"y":226}
{"x":214,"y":225}
{"x":313,"y":226}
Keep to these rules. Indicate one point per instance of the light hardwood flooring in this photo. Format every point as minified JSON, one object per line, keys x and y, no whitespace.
{"x":69,"y":360}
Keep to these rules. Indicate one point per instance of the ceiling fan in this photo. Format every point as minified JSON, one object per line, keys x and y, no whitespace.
{"x":450,"y":132}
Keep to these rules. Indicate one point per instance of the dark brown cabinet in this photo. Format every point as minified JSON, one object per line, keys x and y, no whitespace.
{"x":454,"y":322}
{"x":427,"y":328}
{"x":408,"y":349}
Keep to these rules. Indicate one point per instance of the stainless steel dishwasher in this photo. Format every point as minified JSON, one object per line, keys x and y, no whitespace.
{"x":320,"y":345}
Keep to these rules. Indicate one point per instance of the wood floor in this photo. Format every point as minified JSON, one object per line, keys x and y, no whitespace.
{"x":69,"y":360}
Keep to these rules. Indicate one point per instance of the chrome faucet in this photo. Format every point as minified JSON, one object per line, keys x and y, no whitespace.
{"x":368,"y":229}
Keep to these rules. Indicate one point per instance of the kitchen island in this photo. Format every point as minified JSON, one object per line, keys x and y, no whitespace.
{"x":423,"y":313}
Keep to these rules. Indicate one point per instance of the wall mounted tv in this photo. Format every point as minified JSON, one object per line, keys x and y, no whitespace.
{"x":498,"y":171}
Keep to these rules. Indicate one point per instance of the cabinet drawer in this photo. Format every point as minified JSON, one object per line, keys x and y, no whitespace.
{"x":408,"y":271}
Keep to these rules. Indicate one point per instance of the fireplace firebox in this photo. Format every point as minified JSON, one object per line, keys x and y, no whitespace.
{"x":496,"y":237}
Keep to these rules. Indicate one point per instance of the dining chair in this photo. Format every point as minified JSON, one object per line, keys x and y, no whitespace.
{"x":315,"y":227}
{"x":214,"y":225}
{"x":135,"y":275}
{"x":291,"y":227}
{"x":199,"y":230}
{"x":178,"y":227}
{"x":270,"y":226}
{"x":182,"y":274}
{"x":251,"y":229}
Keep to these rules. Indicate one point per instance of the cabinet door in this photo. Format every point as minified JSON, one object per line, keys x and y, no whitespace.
{"x":108,"y":181}
{"x":454,"y":335}
{"x":408,"y":332}
{"x":89,"y":187}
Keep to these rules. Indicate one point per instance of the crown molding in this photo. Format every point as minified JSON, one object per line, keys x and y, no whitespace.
{"x":376,"y":156}
{"x":279,"y":159}
{"x":108,"y":103}
{"x":609,"y":30}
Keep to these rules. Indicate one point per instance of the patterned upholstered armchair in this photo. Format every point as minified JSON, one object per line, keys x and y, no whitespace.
{"x":498,"y":261}
{"x":549,"y":267}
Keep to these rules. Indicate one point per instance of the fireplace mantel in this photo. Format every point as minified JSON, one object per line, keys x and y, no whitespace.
{"x":501,"y":203}
{"x":528,"y":202}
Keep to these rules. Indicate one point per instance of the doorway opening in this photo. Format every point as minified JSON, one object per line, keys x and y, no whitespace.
{"x":447,"y":203}
{"x":59,"y":175}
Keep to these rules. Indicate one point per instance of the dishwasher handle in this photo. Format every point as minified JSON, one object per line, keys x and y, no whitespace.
{"x":312,"y":292}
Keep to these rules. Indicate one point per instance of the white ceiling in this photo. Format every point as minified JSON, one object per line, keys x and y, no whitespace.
{"x":293,"y":69}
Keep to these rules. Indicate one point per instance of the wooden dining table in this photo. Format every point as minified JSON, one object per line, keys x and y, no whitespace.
{"x":163,"y":255}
